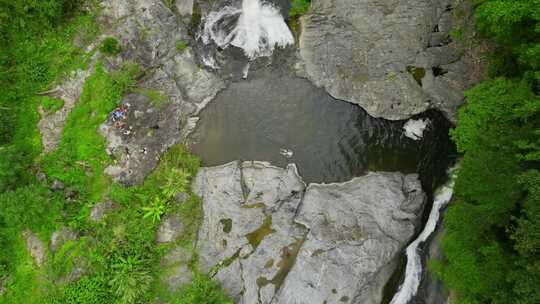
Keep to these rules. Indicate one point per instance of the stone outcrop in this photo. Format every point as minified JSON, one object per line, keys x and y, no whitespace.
{"x":270,"y":239}
{"x":394,"y":58}
{"x":35,"y":247}
{"x":148,"y":32}
{"x":248,"y":226}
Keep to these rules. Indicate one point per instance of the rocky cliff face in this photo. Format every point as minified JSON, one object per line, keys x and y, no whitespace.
{"x":269,"y":239}
{"x":394,"y":58}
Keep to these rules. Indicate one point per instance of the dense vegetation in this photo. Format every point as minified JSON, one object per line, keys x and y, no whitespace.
{"x":492,"y":229}
{"x":119,"y":254}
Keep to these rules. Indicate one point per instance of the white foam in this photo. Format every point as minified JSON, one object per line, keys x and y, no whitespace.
{"x":414,"y":128}
{"x":257,"y":28}
{"x":413,"y":270}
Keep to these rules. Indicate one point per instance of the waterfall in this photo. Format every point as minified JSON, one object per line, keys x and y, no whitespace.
{"x":257,"y":28}
{"x":413,"y":270}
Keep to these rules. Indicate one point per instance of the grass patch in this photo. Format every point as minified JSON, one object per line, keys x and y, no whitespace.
{"x":110,"y":46}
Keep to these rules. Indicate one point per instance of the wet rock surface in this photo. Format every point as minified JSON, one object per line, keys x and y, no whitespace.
{"x":394,"y":58}
{"x":274,"y":241}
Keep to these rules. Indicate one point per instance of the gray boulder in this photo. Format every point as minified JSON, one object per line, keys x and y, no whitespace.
{"x":394,"y":58}
{"x":36,"y":247}
{"x":357,"y":230}
{"x":248,"y":229}
{"x":269,"y":240}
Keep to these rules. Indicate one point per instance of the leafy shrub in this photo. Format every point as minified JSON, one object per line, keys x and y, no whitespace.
{"x":130,"y":280}
{"x":110,"y":46}
{"x":155,"y":210}
{"x":87,"y":290}
{"x":176,"y":181}
{"x":299,"y":8}
{"x":24,"y":209}
{"x":51,"y":105}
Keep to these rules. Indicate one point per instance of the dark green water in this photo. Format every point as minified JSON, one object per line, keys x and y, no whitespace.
{"x":331,"y":140}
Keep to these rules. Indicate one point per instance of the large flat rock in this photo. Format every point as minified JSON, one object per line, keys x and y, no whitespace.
{"x":357,"y":230}
{"x":394,"y":58}
{"x":268,"y":239}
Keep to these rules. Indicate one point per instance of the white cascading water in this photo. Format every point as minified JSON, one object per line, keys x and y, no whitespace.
{"x":413,"y":270}
{"x":257,"y":28}
{"x":414,"y":128}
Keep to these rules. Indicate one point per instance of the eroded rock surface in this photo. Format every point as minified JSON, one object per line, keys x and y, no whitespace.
{"x":274,"y":241}
{"x":394,"y":58}
{"x":148,"y":32}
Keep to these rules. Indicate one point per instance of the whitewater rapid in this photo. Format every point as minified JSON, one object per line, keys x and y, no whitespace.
{"x":256,"y":27}
{"x":413,"y":270}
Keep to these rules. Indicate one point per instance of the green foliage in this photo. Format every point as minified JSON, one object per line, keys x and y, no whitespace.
{"x":181,"y":46}
{"x":514,"y":26}
{"x":71,"y":254}
{"x":130,"y":280}
{"x":299,"y":8}
{"x":110,"y":46}
{"x":155,"y":210}
{"x":176,"y":181}
{"x":24,"y":208}
{"x":28,"y":66}
{"x":492,"y":228}
{"x":87,"y":290}
{"x":202,"y":291}
{"x":51,"y":105}
{"x":119,"y":253}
